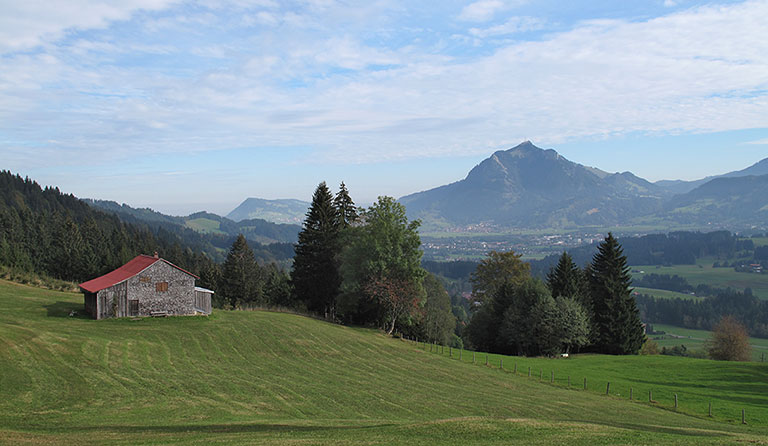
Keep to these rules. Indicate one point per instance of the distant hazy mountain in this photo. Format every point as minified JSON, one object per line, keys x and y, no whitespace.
{"x":258,"y":230}
{"x":682,"y":187}
{"x":530,"y":187}
{"x":738,"y":200}
{"x":276,"y":211}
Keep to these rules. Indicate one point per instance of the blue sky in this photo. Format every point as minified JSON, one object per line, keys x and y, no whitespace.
{"x":191,"y":105}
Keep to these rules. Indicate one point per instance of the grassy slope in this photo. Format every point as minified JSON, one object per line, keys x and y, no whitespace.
{"x":244,"y":377}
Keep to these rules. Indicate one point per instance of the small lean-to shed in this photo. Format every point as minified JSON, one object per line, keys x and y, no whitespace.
{"x":145,"y":286}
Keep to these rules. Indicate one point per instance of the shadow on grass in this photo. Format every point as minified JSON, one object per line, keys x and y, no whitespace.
{"x":685,"y":432}
{"x":218,"y":428}
{"x":64,"y":309}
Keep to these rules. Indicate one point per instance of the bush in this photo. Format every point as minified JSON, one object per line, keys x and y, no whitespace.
{"x":729,"y":341}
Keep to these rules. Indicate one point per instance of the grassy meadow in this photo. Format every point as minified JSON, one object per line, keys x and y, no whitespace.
{"x":703,"y":273}
{"x":696,"y":340}
{"x":276,"y":378}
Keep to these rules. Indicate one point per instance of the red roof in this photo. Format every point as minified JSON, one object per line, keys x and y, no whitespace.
{"x":130,"y":269}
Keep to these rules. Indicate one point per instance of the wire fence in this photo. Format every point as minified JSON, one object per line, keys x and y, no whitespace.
{"x":565,"y":380}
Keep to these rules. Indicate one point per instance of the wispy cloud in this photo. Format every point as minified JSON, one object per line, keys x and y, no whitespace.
{"x":513,"y":25}
{"x":364,"y":85}
{"x":484,"y":10}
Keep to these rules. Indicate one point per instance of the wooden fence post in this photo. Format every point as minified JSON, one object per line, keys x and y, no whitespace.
{"x":541,"y":374}
{"x":460,"y":352}
{"x":450,"y":351}
{"x":515,"y":371}
{"x":710,"y":408}
{"x":486,"y":359}
{"x":529,"y":372}
{"x":552,"y":377}
{"x":743,"y":417}
{"x":630,"y":394}
{"x":473,"y":357}
{"x":608,"y":388}
{"x":569,"y":381}
{"x":675,"y":401}
{"x":501,"y":363}
{"x":650,"y":396}
{"x":585,"y":383}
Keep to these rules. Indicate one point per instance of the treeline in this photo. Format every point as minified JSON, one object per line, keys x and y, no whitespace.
{"x":675,"y":283}
{"x":575,"y":309}
{"x":675,"y":248}
{"x":704,"y":314}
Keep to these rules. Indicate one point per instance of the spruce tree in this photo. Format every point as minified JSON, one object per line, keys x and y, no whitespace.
{"x":616,"y":321}
{"x":315,"y":274}
{"x":565,"y":279}
{"x":240,"y":278}
{"x":346,"y":211}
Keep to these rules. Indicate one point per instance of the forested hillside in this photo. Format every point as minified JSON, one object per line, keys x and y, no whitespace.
{"x":44,"y":231}
{"x":255,"y":230}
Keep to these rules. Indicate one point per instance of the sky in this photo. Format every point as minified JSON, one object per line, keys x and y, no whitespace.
{"x":195,"y":105}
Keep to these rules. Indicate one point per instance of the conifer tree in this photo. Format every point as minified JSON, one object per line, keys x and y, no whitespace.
{"x":565,"y":279}
{"x":240,"y":281}
{"x":315,"y":274}
{"x":616,"y":321}
{"x":346,"y":210}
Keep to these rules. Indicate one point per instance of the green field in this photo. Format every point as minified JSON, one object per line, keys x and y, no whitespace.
{"x":665,"y":294}
{"x":204,"y":225}
{"x":703,"y":273}
{"x":275,"y":378}
{"x":696,"y":339}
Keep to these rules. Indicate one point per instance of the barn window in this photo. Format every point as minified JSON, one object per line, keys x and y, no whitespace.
{"x":161,"y":287}
{"x":144,"y":279}
{"x":133,"y":307}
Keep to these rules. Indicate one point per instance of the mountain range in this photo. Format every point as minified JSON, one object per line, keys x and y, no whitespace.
{"x":255,"y":229}
{"x":529,"y":187}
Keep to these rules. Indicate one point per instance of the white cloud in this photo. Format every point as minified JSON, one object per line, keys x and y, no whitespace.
{"x":26,"y":24}
{"x":481,"y":11}
{"x":311,"y":84}
{"x":513,"y":25}
{"x":763,"y":141}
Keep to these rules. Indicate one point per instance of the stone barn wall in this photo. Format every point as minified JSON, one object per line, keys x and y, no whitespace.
{"x":176,"y":297}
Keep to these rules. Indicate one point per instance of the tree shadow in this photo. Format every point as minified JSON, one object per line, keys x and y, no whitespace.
{"x":66,"y":309}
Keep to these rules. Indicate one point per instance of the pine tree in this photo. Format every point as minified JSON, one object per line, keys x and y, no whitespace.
{"x":240,"y":282}
{"x":616,"y":321}
{"x":315,"y":274}
{"x":346,"y":210}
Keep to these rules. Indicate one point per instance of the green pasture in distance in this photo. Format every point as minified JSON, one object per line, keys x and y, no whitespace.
{"x":703,"y":273}
{"x":664,"y":294}
{"x":696,"y":340}
{"x":204,"y":225}
{"x":241,"y":377}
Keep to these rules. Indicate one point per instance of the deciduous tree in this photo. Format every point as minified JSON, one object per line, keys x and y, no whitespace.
{"x":730,"y":341}
{"x":381,"y":266}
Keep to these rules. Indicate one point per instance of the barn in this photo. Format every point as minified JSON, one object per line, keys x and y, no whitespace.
{"x":145,"y":286}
